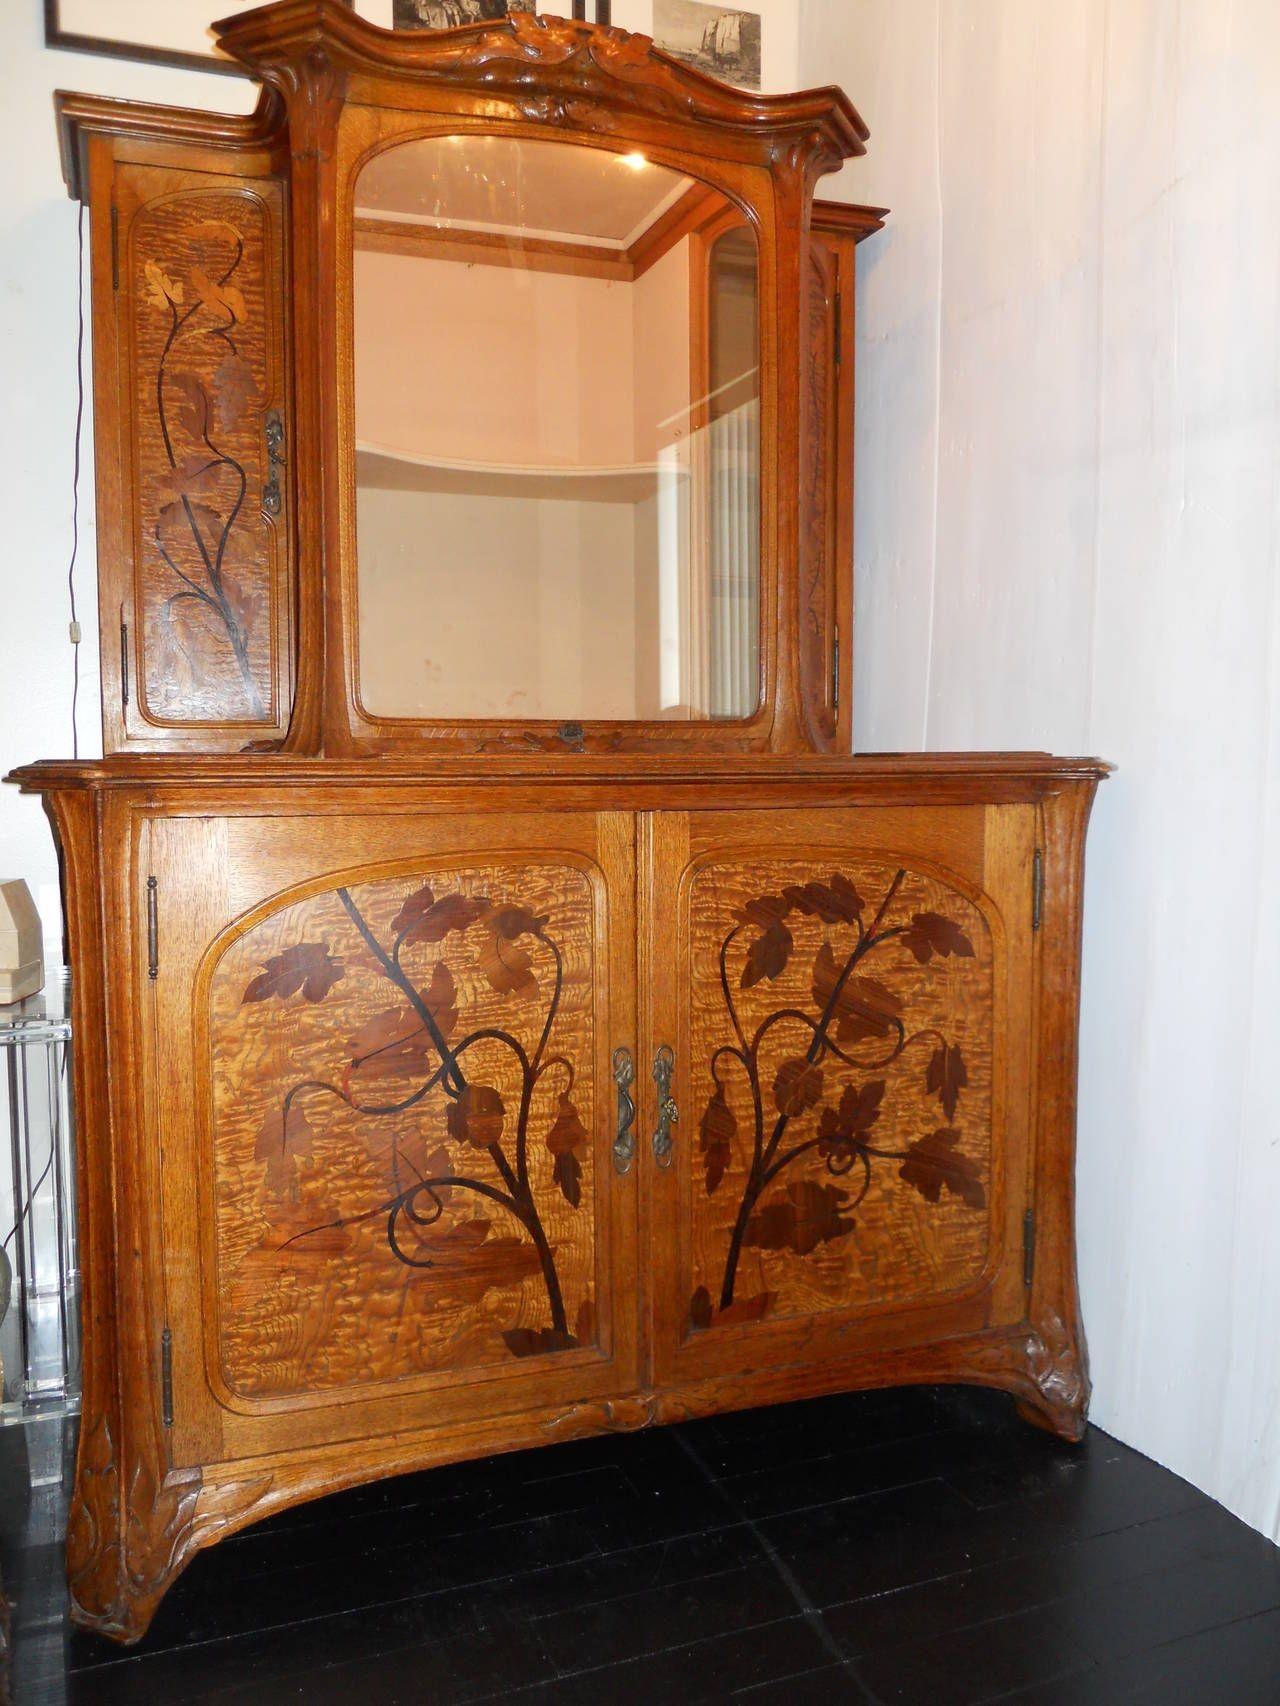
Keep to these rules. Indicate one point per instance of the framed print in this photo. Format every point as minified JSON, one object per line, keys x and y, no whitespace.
{"x":161,"y":32}
{"x":721,"y":40}
{"x":449,"y":14}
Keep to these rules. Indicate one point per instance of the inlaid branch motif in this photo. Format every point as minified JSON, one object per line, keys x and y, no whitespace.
{"x":446,"y":1101}
{"x":206,"y":393}
{"x":819,"y":1079}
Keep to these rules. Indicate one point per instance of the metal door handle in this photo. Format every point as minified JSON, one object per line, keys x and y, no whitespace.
{"x":668,"y":1114}
{"x":624,"y":1143}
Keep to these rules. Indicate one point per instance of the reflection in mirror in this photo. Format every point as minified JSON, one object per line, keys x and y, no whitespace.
{"x":557,"y":436}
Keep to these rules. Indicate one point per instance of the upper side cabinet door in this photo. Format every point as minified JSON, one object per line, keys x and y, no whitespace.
{"x":850,"y":1021}
{"x":383,"y":1069}
{"x":193,"y":446}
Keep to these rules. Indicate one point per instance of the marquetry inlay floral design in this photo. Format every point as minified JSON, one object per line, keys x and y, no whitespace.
{"x":858,"y":1029}
{"x":401,"y":1074}
{"x":202,"y":377}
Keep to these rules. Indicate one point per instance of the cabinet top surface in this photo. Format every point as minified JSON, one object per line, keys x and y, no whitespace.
{"x":971,"y":775}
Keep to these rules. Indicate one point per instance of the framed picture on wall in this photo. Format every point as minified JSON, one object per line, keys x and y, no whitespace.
{"x":721,"y":40}
{"x":161,"y":32}
{"x":449,"y":14}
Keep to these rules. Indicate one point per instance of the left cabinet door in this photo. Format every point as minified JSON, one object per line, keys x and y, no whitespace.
{"x":381,"y":1085}
{"x":192,"y":434}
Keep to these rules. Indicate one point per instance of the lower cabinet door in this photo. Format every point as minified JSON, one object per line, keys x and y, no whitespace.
{"x":846,"y":995}
{"x":381,"y":1082}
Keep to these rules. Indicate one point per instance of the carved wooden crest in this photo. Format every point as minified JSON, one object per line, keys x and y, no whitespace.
{"x":552,"y":70}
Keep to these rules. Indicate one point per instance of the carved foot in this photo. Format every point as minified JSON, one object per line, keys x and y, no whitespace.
{"x":1059,"y":1397}
{"x":1066,"y":1423}
{"x":125,"y":1552}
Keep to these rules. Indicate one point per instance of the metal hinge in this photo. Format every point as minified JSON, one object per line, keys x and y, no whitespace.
{"x":1028,"y":1246}
{"x":124,"y":663}
{"x":166,"y":1377}
{"x":1037,"y":889}
{"x":839,"y":318}
{"x":115,"y":249}
{"x":153,"y":928}
{"x":835,"y":672}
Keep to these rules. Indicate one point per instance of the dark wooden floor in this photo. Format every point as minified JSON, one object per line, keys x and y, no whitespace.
{"x":910,"y":1546}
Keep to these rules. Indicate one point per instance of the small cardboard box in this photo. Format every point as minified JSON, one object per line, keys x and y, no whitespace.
{"x":21,"y":943}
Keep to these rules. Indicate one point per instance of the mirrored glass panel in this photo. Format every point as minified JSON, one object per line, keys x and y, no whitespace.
{"x":557,"y":436}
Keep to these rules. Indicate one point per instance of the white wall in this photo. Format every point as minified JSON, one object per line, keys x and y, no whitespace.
{"x":1068,"y":530}
{"x":38,"y":289}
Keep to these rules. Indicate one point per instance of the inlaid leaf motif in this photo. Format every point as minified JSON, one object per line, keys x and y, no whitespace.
{"x":716,"y":1135}
{"x":836,"y":902}
{"x":397,"y":1041}
{"x":220,"y":299}
{"x":193,"y":406}
{"x":162,"y":291}
{"x":810,"y":1215}
{"x":506,"y":965}
{"x":423,"y":918}
{"x":797,"y":1086}
{"x":934,"y":1164}
{"x":466,"y":1262}
{"x":767,"y":955}
{"x":537,"y":1341}
{"x":702,"y":1315}
{"x":309,"y":967}
{"x":281,"y":1139}
{"x":864,"y":1007}
{"x":947,"y":1077}
{"x":511,"y":922}
{"x":763,"y":910}
{"x":566,"y":1137}
{"x":477,"y":1116}
{"x":196,"y":476}
{"x":929,"y":933}
{"x":858,"y":1111}
{"x":234,"y":388}
{"x":259,"y":1267}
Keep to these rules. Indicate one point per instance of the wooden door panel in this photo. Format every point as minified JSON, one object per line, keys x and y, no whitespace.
{"x":854,"y":1119}
{"x":396,"y":1122}
{"x":196,"y":603}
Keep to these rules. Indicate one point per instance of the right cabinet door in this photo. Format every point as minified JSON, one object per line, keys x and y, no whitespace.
{"x":848,"y":998}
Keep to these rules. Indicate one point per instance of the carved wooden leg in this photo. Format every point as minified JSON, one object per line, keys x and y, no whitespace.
{"x":122,"y":1557}
{"x":1059,"y":1377}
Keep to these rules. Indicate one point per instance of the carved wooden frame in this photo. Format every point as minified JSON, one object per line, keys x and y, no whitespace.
{"x":346,"y":87}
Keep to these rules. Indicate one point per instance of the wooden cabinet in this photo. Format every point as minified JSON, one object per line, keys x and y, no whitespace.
{"x":505,"y":1010}
{"x":424,"y":1120}
{"x":192,"y":417}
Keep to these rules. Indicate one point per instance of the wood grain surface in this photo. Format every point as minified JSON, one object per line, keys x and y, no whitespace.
{"x":846,"y":1017}
{"x":343,"y":1257}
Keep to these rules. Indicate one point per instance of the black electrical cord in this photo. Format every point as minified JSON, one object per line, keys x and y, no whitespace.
{"x":75,"y":485}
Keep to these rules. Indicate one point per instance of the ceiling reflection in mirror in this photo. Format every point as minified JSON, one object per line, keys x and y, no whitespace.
{"x":557,"y":408}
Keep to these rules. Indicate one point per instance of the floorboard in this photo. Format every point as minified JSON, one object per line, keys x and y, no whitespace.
{"x":916,"y":1546}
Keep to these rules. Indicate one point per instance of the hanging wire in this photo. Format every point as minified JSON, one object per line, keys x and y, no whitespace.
{"x":75,"y":486}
